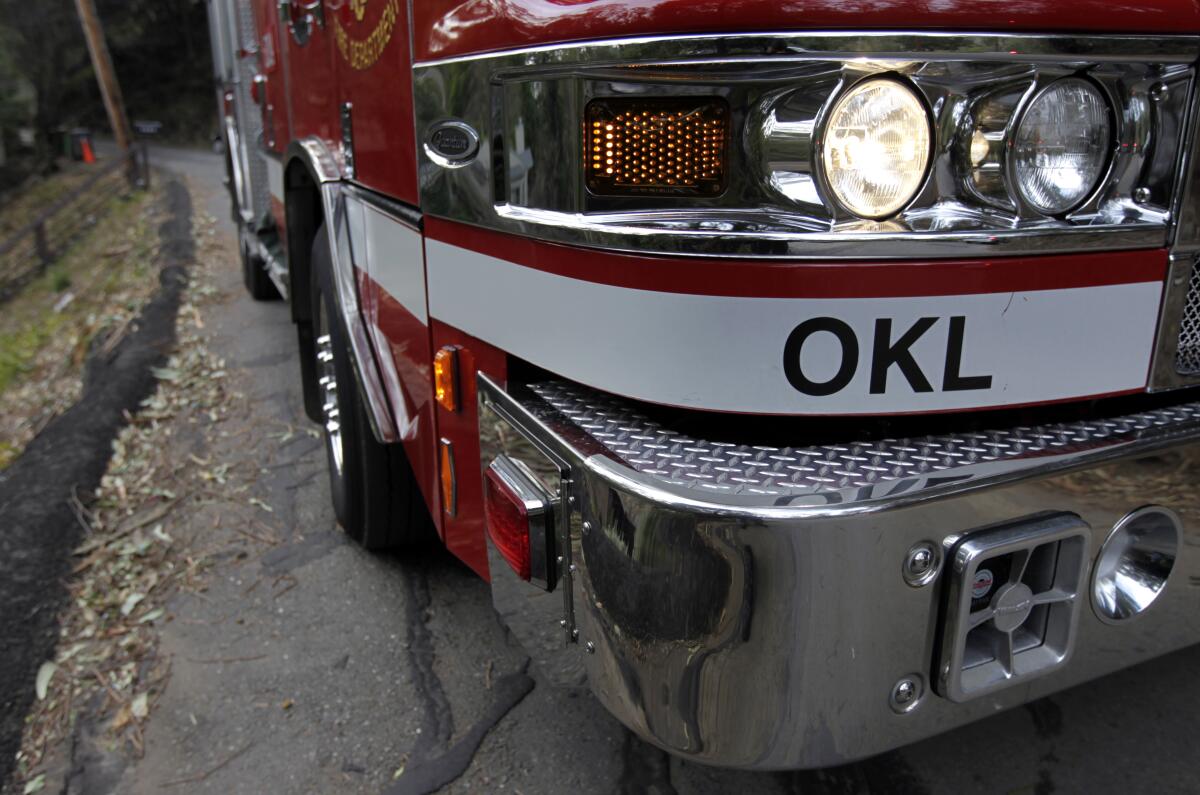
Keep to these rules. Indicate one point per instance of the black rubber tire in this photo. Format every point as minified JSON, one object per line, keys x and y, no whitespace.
{"x":254,"y":274}
{"x":308,"y":371}
{"x":375,"y":495}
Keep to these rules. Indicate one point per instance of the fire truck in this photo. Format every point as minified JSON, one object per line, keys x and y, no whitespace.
{"x":805,"y":378}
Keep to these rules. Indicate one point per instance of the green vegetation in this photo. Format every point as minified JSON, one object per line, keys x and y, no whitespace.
{"x":86,"y":300}
{"x":39,"y":193}
{"x":18,"y":348}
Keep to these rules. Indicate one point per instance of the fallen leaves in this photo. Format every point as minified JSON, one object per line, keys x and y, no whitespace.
{"x":129,"y":561}
{"x":42,"y":682}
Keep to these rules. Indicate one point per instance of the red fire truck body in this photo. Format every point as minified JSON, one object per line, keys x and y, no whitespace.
{"x":801,"y":375}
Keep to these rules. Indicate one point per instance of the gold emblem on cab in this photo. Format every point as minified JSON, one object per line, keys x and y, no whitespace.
{"x":360,"y":51}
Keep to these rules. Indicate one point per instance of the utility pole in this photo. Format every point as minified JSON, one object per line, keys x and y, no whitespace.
{"x":110,"y":89}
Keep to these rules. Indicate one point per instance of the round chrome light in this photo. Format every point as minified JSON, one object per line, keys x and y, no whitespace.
{"x":1135,"y":563}
{"x":875,"y":149}
{"x":1061,"y":146}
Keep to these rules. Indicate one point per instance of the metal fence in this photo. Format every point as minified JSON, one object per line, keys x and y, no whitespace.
{"x":26,"y":253}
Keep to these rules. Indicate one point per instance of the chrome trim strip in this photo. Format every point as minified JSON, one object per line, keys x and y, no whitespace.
{"x":366,"y":367}
{"x":395,"y":210}
{"x":322,"y":164}
{"x":1185,"y":232}
{"x":237,"y":155}
{"x":325,"y":169}
{"x":616,"y":233}
{"x":810,"y":44}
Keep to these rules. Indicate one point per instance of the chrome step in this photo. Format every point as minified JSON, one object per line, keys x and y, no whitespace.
{"x":850,"y":472}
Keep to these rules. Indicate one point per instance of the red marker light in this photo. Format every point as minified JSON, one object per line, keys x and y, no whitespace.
{"x":508,"y":517}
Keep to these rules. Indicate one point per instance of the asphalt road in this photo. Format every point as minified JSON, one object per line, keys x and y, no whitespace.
{"x":342,"y":667}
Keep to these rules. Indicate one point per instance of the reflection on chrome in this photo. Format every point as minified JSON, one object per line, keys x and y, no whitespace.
{"x":708,"y":621}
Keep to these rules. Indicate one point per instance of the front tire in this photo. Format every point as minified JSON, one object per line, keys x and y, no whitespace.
{"x":374,"y":492}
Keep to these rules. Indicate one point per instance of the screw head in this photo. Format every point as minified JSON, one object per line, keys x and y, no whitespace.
{"x":1141,"y":195}
{"x":922,"y":563}
{"x":1159,"y":92}
{"x":906,"y":693}
{"x":587,"y":527}
{"x":921,"y":560}
{"x":591,"y":647}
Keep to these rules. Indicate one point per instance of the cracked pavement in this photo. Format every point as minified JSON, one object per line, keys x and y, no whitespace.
{"x":309,"y":665}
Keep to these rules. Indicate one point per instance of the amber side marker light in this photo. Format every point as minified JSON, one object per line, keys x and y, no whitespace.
{"x":658,"y":147}
{"x":449,"y":483}
{"x":445,"y":378}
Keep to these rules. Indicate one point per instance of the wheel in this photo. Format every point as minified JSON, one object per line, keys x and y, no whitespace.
{"x":375,"y":494}
{"x":308,"y":371}
{"x":254,"y":271}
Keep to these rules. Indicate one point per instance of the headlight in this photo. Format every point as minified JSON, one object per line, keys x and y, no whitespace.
{"x":1061,"y":146}
{"x":876,"y":147}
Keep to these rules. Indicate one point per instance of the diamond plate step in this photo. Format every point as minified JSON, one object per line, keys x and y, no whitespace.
{"x":654,"y":449}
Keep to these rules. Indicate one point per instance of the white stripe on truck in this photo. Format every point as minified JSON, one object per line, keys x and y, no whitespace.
{"x":844,"y":356}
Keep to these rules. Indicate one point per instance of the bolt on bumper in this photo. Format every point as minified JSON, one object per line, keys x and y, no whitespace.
{"x":783,"y":607}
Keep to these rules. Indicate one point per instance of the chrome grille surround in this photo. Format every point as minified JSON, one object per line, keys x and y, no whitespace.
{"x":776,"y":204}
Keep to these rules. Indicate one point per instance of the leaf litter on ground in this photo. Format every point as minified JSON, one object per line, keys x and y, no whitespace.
{"x":108,"y":659}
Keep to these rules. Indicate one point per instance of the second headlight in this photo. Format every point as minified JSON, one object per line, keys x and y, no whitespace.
{"x":875,"y":148}
{"x":1062,"y":146}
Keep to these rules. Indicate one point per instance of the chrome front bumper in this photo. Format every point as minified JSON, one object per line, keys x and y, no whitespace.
{"x":747,"y":606}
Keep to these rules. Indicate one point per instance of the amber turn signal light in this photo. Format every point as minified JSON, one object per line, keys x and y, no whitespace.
{"x":663,"y":147}
{"x":445,"y":378}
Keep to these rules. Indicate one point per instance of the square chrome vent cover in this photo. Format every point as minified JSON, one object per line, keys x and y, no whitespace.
{"x":1013,"y":602}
